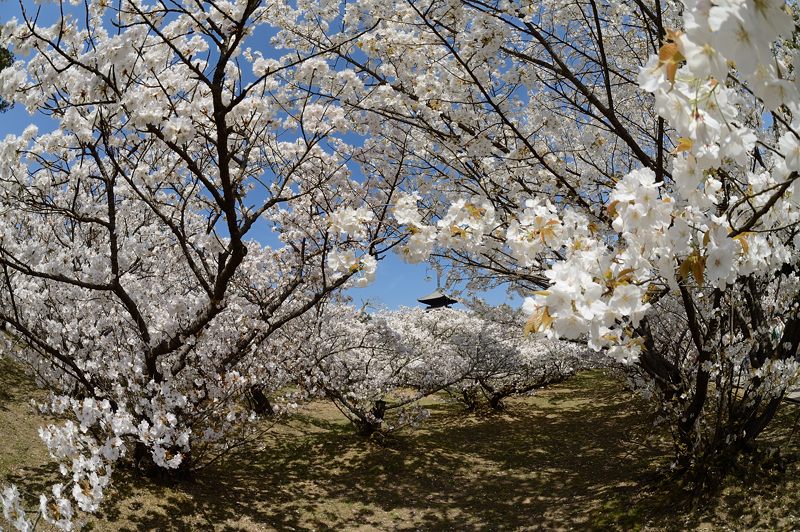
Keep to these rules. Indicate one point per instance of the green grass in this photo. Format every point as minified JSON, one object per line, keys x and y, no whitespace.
{"x":579,"y":455}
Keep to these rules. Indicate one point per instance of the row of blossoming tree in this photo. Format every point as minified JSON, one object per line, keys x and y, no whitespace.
{"x":630,"y":167}
{"x":377,"y":367}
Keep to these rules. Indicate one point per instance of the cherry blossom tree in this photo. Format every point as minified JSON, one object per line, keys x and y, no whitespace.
{"x":610,"y":160}
{"x":525,"y":364}
{"x":377,"y":367}
{"x":132,"y":284}
{"x":351,"y":358}
{"x":485,"y":353}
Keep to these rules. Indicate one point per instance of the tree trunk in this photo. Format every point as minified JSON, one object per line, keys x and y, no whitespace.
{"x":496,"y":401}
{"x":143,"y":463}
{"x":260,"y":402}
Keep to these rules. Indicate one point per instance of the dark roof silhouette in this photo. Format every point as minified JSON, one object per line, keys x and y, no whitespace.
{"x":437,"y":299}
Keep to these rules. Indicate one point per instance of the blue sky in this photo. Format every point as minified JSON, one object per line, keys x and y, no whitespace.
{"x":397,"y":282}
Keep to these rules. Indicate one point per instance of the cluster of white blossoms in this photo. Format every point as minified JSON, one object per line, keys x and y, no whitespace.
{"x":709,"y":216}
{"x":576,"y":303}
{"x":13,"y":510}
{"x":353,"y":224}
{"x":469,"y":223}
{"x":423,"y":236}
{"x":696,"y":228}
{"x":537,"y":228}
{"x":85,"y":463}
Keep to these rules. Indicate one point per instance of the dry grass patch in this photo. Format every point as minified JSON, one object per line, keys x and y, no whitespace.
{"x":578,"y":455}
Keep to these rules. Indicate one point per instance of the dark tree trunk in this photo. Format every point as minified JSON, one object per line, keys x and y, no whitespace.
{"x":143,"y":463}
{"x":496,"y":401}
{"x":368,"y":427}
{"x":260,"y":402}
{"x":470,"y":398}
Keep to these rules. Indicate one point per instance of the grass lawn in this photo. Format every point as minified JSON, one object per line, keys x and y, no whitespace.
{"x":580,"y":455}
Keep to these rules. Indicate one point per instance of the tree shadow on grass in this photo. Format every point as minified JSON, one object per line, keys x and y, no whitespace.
{"x":15,"y":386}
{"x":21,"y":451}
{"x":558,"y":460}
{"x":568,"y":457}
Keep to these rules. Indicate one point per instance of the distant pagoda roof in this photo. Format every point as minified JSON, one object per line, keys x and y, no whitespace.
{"x":437,"y":299}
